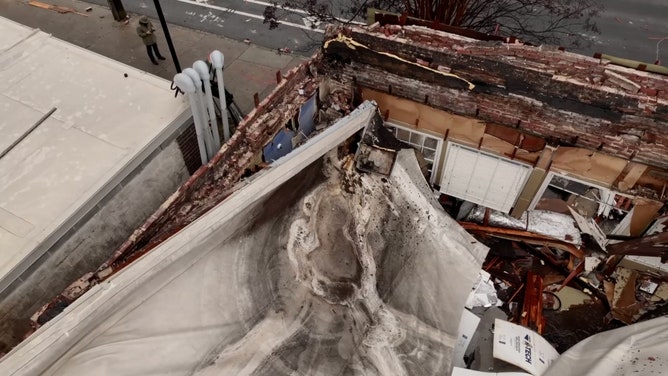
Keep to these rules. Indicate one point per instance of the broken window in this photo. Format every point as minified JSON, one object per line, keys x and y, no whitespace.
{"x":428,"y":144}
{"x":607,"y":209}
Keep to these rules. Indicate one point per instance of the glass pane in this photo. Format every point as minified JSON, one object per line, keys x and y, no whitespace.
{"x":417,"y":139}
{"x":431,"y":143}
{"x":403,"y":135}
{"x":428,"y":154}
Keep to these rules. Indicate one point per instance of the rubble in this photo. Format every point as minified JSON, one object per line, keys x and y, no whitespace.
{"x":57,"y":8}
{"x":556,"y":225}
{"x":574,"y":167}
{"x":540,"y":271}
{"x":565,"y":296}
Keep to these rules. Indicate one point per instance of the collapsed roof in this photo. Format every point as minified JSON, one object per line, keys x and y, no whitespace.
{"x":548,"y":119}
{"x":311,"y":267}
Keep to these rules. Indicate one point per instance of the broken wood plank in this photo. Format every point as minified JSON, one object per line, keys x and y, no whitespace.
{"x":56,"y":8}
{"x":625,"y":307}
{"x":652,"y":245}
{"x":524,"y":236}
{"x":574,"y":273}
{"x":532,"y":309}
{"x":610,"y":264}
{"x":630,"y":176}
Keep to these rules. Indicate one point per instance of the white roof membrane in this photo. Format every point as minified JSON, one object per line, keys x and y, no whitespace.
{"x":108,"y":117}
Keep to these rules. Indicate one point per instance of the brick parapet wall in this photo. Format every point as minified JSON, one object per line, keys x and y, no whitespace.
{"x":548,"y":59}
{"x":510,"y":91}
{"x":213,"y":182}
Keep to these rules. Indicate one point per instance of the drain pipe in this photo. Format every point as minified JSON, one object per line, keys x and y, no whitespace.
{"x":203,"y":70}
{"x":200,"y":108}
{"x":217,"y":59}
{"x":186,"y":85}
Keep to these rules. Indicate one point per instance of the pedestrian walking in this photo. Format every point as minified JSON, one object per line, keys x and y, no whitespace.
{"x":146,"y":31}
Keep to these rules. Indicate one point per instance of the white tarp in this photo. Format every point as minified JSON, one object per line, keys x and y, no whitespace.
{"x":640,"y":350}
{"x":469,"y":372}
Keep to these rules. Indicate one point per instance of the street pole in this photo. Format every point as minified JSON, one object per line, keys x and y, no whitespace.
{"x":117,"y":10}
{"x":163,"y":23}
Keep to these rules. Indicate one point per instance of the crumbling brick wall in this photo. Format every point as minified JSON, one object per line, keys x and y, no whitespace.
{"x":567,"y":99}
{"x":213,"y":182}
{"x":208,"y":186}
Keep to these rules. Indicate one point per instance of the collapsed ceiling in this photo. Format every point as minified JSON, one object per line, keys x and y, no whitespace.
{"x":349,"y":272}
{"x":329,"y":272}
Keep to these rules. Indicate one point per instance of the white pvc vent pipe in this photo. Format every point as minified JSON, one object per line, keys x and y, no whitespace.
{"x":217,"y":59}
{"x":186,"y":85}
{"x":203,"y":70}
{"x":199,"y":112}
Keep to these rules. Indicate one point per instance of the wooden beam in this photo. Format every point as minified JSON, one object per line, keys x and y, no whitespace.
{"x":56,"y":8}
{"x":532,"y":309}
{"x":652,"y":245}
{"x":524,"y":236}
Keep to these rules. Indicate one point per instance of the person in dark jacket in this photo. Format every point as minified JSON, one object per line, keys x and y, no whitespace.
{"x":146,"y":31}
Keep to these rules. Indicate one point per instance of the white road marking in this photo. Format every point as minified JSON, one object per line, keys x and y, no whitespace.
{"x":246,"y":14}
{"x":301,"y":11}
{"x":311,"y":21}
{"x":294,"y":10}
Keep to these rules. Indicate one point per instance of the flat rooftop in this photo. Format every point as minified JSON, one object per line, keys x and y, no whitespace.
{"x":109,"y":117}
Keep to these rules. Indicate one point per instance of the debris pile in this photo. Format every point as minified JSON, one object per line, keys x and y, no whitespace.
{"x":546,"y":272}
{"x":554,"y":274}
{"x":305,"y":106}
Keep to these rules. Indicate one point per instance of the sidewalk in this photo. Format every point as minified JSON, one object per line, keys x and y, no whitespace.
{"x":249,"y":69}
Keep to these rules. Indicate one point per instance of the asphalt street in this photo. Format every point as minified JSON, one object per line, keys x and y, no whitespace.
{"x":236,"y":19}
{"x":629,"y":28}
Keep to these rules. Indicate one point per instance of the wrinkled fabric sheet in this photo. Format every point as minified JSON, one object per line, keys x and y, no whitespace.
{"x":640,"y":350}
{"x":335,"y":273}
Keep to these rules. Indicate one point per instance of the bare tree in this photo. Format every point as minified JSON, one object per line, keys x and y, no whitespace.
{"x":535,"y":21}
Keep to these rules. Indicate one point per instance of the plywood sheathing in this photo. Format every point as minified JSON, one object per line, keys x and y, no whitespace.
{"x":531,"y":187}
{"x":422,"y":117}
{"x":629,"y":177}
{"x":588,"y":165}
{"x":644,"y":212}
{"x":500,"y":140}
{"x":656,"y":179}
